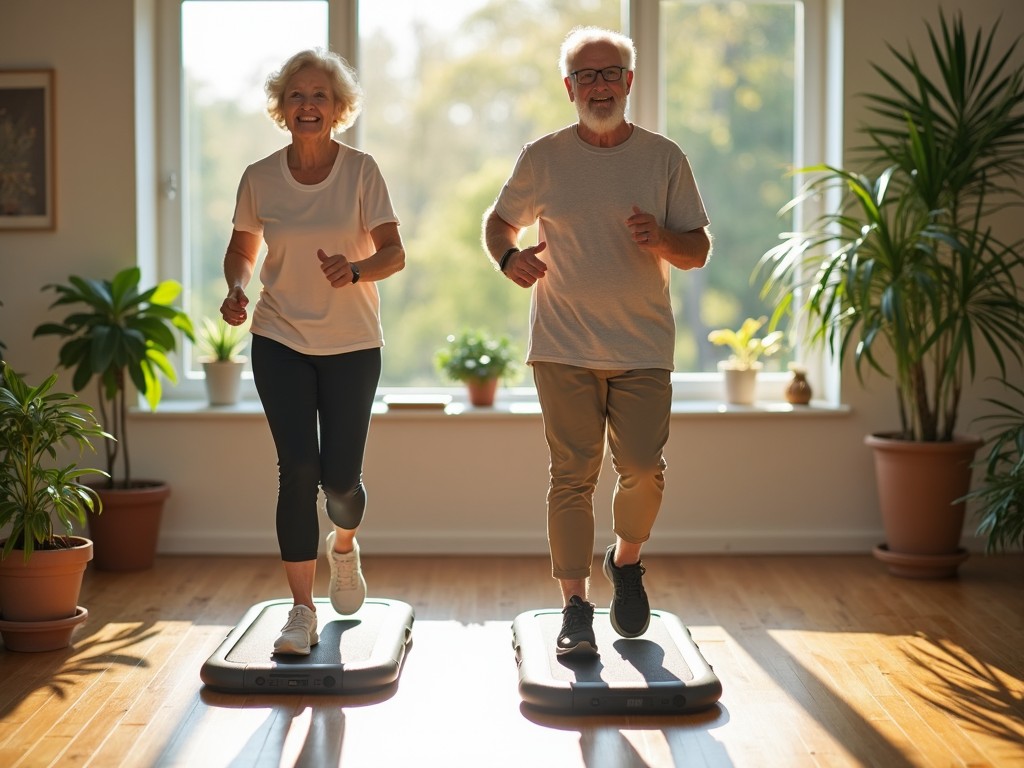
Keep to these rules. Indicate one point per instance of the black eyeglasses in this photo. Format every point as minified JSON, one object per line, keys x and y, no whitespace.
{"x":588,"y":76}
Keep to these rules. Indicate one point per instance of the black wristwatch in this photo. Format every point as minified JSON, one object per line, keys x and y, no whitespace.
{"x":355,"y":273}
{"x":505,"y":257}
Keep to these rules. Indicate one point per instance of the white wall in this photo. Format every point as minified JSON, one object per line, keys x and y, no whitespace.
{"x":766,"y":482}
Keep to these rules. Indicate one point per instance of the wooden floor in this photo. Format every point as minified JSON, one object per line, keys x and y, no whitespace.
{"x":825,"y":661}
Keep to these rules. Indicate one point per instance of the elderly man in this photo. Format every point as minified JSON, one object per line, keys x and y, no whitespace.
{"x":618,"y":207}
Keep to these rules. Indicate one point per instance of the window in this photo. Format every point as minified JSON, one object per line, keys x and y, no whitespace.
{"x":224,"y":125}
{"x":451,"y":98}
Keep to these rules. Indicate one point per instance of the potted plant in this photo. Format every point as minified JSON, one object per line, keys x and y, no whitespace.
{"x":41,"y":562}
{"x":121,"y":336}
{"x":479,"y":360}
{"x":741,"y":368}
{"x":1000,"y":495}
{"x":906,"y":275}
{"x":224,"y":362}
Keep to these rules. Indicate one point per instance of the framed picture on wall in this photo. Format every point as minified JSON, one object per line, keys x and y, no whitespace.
{"x":27,"y":193}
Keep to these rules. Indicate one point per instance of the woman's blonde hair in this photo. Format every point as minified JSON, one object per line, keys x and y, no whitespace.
{"x":348,"y":95}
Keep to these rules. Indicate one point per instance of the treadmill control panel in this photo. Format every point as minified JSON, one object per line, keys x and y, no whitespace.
{"x":282,"y":682}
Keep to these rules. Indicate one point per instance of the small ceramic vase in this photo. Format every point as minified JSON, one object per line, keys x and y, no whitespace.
{"x":798,"y":392}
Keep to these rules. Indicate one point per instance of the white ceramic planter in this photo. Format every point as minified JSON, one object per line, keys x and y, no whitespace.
{"x":740,"y":383}
{"x":223,"y":380}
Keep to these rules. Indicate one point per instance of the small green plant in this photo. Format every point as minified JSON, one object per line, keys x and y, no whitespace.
{"x":34,"y":421}
{"x":1000,"y":496}
{"x":747,"y":348}
{"x":475,"y":355}
{"x":221,"y":341}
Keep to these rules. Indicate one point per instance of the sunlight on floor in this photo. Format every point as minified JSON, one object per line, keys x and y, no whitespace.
{"x":896,"y":673}
{"x":801,"y":689}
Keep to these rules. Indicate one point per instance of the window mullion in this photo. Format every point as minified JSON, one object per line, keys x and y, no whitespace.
{"x":642,"y":25}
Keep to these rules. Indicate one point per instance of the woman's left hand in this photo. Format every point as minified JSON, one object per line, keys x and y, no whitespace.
{"x":336,"y":268}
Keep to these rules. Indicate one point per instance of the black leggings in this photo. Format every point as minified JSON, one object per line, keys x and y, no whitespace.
{"x":300,"y":393}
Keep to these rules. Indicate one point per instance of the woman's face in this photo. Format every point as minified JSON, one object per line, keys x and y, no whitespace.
{"x":309,"y":105}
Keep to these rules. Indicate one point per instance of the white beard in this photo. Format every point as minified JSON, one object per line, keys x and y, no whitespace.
{"x":602,"y":123}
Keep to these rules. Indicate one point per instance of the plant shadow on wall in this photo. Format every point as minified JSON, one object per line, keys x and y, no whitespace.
{"x":905,"y":272}
{"x":121,"y":336}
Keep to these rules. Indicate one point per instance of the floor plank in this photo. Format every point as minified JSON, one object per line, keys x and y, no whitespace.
{"x":825,"y":661}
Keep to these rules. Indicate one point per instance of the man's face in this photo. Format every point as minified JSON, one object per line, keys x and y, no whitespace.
{"x":601,"y":105}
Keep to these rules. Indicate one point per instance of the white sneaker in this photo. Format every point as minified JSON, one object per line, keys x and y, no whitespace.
{"x":348,"y":587}
{"x":298,"y":633}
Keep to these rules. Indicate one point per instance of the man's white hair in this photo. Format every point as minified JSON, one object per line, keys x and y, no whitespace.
{"x":579,"y":37}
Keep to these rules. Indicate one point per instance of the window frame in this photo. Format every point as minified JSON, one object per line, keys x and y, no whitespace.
{"x":818,"y":123}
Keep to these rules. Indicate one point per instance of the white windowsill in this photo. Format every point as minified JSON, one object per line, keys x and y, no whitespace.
{"x":696,"y":395}
{"x":502,"y":409}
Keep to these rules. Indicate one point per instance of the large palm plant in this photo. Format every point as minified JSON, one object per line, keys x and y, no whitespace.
{"x":904,"y":272}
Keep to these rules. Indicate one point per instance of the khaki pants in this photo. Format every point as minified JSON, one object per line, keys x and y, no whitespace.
{"x":582,"y":407}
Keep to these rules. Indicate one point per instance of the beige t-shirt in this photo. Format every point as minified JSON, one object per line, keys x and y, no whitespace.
{"x":604,"y":302}
{"x":297,"y":306}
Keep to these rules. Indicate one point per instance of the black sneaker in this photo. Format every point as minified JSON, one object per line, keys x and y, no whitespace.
{"x":630,"y":611}
{"x":577,"y":635}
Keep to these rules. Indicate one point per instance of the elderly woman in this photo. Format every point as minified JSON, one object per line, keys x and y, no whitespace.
{"x":331,"y":231}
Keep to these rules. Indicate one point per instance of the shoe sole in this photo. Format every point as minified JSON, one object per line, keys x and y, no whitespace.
{"x":580,"y":649}
{"x":623,"y":633}
{"x":583,"y":648}
{"x":292,"y":650}
{"x":611,"y":609}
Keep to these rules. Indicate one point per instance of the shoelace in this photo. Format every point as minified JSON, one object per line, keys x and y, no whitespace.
{"x":295,"y":621}
{"x":630,"y":582}
{"x":345,"y":571}
{"x":575,"y":617}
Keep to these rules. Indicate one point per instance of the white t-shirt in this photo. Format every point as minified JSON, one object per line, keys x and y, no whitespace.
{"x":604,"y":301}
{"x":297,"y":306}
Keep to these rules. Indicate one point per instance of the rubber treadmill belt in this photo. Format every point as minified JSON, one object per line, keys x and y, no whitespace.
{"x":360,"y":652}
{"x":662,"y":671}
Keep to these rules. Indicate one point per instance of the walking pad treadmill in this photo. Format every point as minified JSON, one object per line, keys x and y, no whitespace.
{"x":660,"y":672}
{"x":356,"y":653}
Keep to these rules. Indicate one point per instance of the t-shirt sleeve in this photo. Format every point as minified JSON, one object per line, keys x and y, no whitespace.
{"x":516,"y":202}
{"x":685,"y":206}
{"x":376,"y":203}
{"x":246,"y":219}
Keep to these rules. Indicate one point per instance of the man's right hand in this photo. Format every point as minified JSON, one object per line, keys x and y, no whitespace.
{"x":524,"y":268}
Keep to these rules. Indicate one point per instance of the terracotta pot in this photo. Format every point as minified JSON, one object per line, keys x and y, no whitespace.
{"x":39,"y":636}
{"x":47,"y":587}
{"x":482,"y":391}
{"x":918,"y":488}
{"x":125,"y":533}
